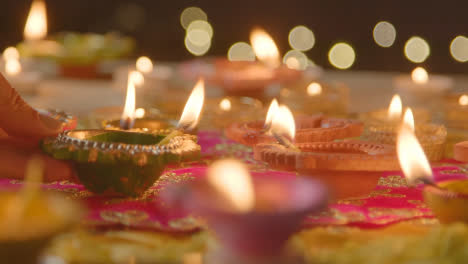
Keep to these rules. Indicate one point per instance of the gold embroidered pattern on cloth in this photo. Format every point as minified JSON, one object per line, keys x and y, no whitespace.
{"x":392,"y":181}
{"x":385,"y":193}
{"x":127,"y":218}
{"x":185,"y":224}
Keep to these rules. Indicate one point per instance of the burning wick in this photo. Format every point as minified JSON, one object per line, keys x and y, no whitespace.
{"x":413,"y":161}
{"x":128,"y":116}
{"x":283,"y":127}
{"x":191,"y":115}
{"x":270,"y":114}
{"x":395,"y":108}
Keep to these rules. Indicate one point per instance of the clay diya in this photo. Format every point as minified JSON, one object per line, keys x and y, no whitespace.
{"x":456,"y":110}
{"x":120,"y":163}
{"x":252,"y":217}
{"x":334,"y":163}
{"x":393,"y":115}
{"x":309,"y":129}
{"x":316,"y":97}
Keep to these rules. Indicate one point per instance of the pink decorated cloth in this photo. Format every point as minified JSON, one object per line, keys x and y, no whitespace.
{"x":392,"y":200}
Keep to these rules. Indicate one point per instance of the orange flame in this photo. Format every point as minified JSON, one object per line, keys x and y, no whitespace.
{"x":395,"y":108}
{"x":264,"y":47}
{"x":419,"y":75}
{"x":271,"y":113}
{"x":283,"y":123}
{"x":232,"y":179}
{"x":408,"y":119}
{"x":192,"y":110}
{"x":128,"y":115}
{"x":36,"y":24}
{"x":412,"y":159}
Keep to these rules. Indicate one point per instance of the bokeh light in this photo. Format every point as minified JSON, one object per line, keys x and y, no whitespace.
{"x":137,"y":78}
{"x":459,"y":48}
{"x":139,"y":113}
{"x":195,"y":49}
{"x":301,"y":38}
{"x":314,"y":88}
{"x":241,"y":51}
{"x":144,"y":64}
{"x":191,"y":14}
{"x":202,"y":26}
{"x":341,"y":55}
{"x":198,"y":37}
{"x":463,"y":100}
{"x":384,"y":34}
{"x":417,"y":49}
{"x":296,"y":60}
{"x":11,"y":53}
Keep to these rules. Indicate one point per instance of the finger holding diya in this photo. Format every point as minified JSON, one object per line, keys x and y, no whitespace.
{"x":30,"y":217}
{"x":309,"y":129}
{"x":245,"y":78}
{"x":332,"y":162}
{"x":448,"y":200}
{"x":252,"y":215}
{"x":127,"y":161}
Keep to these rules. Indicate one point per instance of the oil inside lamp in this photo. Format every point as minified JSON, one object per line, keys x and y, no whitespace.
{"x":36,"y":24}
{"x":232,"y":180}
{"x":419,"y":75}
{"x":128,"y":116}
{"x":264,"y":48}
{"x":395,"y":108}
{"x":225,"y":105}
{"x":144,"y":64}
{"x":314,"y":89}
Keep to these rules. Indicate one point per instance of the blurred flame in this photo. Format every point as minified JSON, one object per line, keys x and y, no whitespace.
{"x":463,"y":100}
{"x":36,"y":24}
{"x":419,"y":75}
{"x":192,"y":110}
{"x":232,"y":179}
{"x":144,"y":64}
{"x":12,"y":67}
{"x":408,"y":119}
{"x":283,"y":123}
{"x":136,"y":78}
{"x":140,"y":113}
{"x":225,"y":104}
{"x":314,"y":89}
{"x":395,"y":108}
{"x":129,"y":108}
{"x":271,"y":113}
{"x":264,"y":47}
{"x":10,"y":53}
{"x":412,"y":159}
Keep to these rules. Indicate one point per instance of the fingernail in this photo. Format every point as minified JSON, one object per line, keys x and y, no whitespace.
{"x":50,"y":122}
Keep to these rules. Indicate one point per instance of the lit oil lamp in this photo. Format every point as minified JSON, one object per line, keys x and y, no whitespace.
{"x":130,"y":161}
{"x":431,"y":136}
{"x":138,"y":121}
{"x":30,"y":218}
{"x":393,"y":114}
{"x":421,"y":89}
{"x":333,"y":162}
{"x":309,"y":129}
{"x":315,"y":97}
{"x":245,"y":78}
{"x":252,"y":217}
{"x":25,"y":82}
{"x":448,"y":200}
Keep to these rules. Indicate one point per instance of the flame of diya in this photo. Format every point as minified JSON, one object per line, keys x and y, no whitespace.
{"x":308,"y":129}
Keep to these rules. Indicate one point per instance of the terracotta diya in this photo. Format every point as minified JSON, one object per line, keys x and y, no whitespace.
{"x":252,"y":217}
{"x":309,"y":129}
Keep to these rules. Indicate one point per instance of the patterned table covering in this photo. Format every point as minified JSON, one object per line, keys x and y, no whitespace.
{"x":392,"y":200}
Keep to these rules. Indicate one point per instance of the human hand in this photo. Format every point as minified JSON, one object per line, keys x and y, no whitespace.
{"x":21,"y":129}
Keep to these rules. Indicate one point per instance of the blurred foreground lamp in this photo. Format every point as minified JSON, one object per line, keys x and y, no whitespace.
{"x":23,"y":81}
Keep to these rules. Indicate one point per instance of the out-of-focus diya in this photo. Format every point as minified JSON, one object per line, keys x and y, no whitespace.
{"x":252,"y":217}
{"x":120,"y":163}
{"x":30,"y":218}
{"x":332,"y":162}
{"x":448,"y":200}
{"x":309,"y":129}
{"x":316,"y":97}
{"x":220,"y":112}
{"x":431,"y":136}
{"x":394,"y":114}
{"x":25,"y":81}
{"x":456,"y":110}
{"x":421,"y":89}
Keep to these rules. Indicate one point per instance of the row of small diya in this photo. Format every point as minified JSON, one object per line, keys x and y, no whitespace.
{"x":234,"y":204}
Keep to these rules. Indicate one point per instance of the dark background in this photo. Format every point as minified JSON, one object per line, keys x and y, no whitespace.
{"x":155,"y":24}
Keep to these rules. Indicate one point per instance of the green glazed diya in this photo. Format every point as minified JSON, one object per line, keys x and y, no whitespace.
{"x":120,"y":163}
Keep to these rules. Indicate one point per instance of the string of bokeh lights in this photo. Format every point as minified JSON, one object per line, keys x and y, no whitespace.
{"x":341,"y":55}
